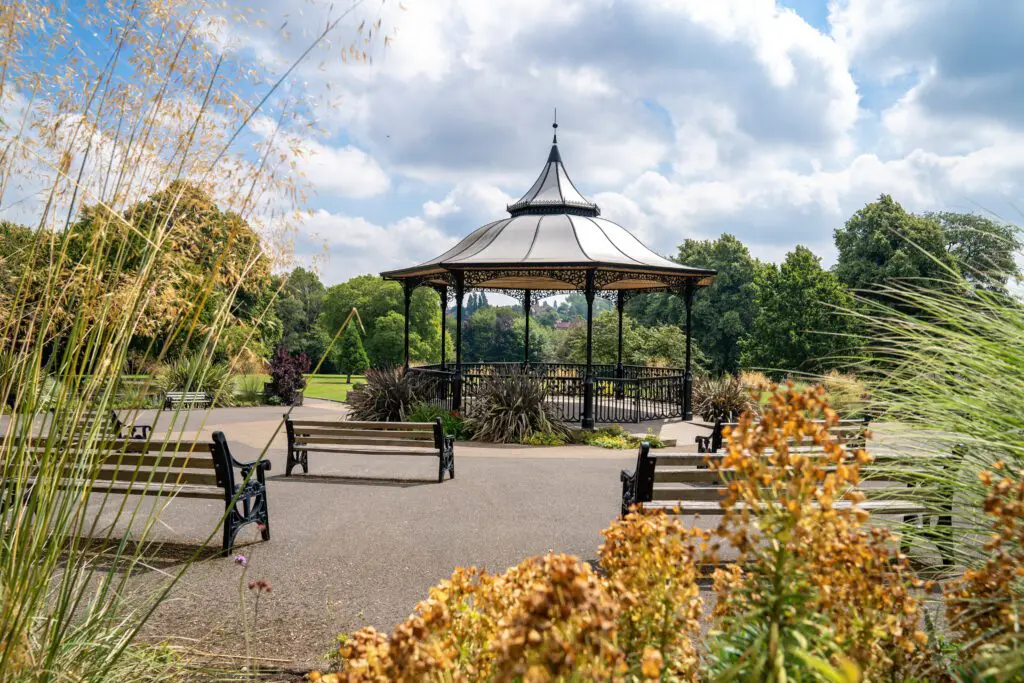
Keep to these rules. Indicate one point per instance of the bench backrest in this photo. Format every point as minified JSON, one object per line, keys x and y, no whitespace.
{"x":104,"y":422}
{"x":343,"y":433}
{"x":188,"y":395}
{"x":885,"y":475}
{"x":853,"y":433}
{"x":137,"y":464}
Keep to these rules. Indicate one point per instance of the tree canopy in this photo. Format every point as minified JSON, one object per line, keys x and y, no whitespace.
{"x":722,"y":313}
{"x":800,"y":324}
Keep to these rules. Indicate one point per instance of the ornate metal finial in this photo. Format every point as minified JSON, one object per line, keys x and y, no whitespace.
{"x":554,"y":139}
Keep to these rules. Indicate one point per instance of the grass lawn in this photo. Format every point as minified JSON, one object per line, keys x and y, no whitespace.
{"x":333,"y":387}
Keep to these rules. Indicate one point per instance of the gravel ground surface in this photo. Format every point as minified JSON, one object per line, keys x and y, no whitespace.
{"x":359,"y":540}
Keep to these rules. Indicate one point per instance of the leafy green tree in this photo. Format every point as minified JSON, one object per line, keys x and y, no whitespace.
{"x":378,"y":300}
{"x":298,"y":307}
{"x":474,"y":302}
{"x":882,"y":243}
{"x":983,"y":249}
{"x":800,"y":325}
{"x":352,"y":358}
{"x":575,"y":307}
{"x":722,"y":313}
{"x":662,"y":345}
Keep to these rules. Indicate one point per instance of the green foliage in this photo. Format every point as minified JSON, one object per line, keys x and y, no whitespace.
{"x":298,"y":306}
{"x":721,"y":398}
{"x":497,"y":334}
{"x":474,"y":302}
{"x":381,"y":306}
{"x":511,"y":407}
{"x":249,"y":390}
{"x":545,"y":439}
{"x":352,"y":359}
{"x":389,"y":395}
{"x":882,"y":243}
{"x":452,"y":423}
{"x":722,"y":313}
{"x":660,"y":345}
{"x":803,"y":321}
{"x":983,"y":249}
{"x":195,"y":372}
{"x":615,"y":437}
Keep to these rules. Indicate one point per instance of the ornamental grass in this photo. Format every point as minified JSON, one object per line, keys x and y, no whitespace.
{"x":135,"y":203}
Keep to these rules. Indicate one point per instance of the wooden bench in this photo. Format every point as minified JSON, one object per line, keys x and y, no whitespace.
{"x":369,"y":438}
{"x":147,"y":468}
{"x":109,"y":423}
{"x":189,"y":399}
{"x":853,"y":433}
{"x":683,"y":484}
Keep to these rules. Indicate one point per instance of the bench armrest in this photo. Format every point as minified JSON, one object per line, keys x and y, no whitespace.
{"x":141,"y":431}
{"x":263,"y":464}
{"x":626,"y":475}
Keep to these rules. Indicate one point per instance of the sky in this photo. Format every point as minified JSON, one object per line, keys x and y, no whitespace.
{"x":772,"y":121}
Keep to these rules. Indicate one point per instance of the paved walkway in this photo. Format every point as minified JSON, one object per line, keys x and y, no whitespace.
{"x":352,"y":547}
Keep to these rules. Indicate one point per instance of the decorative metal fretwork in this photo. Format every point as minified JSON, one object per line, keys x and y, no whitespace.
{"x":576,"y":277}
{"x":603,"y":278}
{"x":520,"y":294}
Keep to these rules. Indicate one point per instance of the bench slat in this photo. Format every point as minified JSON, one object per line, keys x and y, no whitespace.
{"x":363,"y":433}
{"x":886,"y":507}
{"x":39,"y":444}
{"x":711,"y":477}
{"x":361,"y":450}
{"x":311,"y":443}
{"x":185,"y":491}
{"x":375,"y":426}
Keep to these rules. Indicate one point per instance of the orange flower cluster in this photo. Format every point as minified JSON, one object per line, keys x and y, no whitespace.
{"x":550,"y":618}
{"x":652,"y":574}
{"x":985,"y":606}
{"x":785,"y":474}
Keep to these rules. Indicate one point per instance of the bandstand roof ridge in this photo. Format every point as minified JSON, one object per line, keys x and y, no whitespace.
{"x":552,"y":236}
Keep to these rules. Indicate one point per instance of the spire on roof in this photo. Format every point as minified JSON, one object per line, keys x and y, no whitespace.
{"x":553,"y":191}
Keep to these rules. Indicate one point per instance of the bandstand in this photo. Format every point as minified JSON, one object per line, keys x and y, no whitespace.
{"x":555,"y":240}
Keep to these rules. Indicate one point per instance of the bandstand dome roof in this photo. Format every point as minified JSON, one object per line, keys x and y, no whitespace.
{"x":553,"y":235}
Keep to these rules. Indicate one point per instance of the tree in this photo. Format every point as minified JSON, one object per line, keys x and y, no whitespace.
{"x":800,"y":324}
{"x":352,"y":358}
{"x":722,"y":313}
{"x":982,"y":249}
{"x":377,"y":300}
{"x":575,"y":307}
{"x":474,"y":302}
{"x":882,"y":242}
{"x":298,"y":307}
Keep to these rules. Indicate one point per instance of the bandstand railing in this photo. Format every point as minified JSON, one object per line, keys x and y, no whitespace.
{"x":634,"y":393}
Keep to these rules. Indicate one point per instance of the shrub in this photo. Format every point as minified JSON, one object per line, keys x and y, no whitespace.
{"x":812,"y":582}
{"x":510,"y":408}
{"x":615,"y":437}
{"x":985,"y":606}
{"x":196,"y":373}
{"x":650,"y":562}
{"x":846,"y":394}
{"x":352,"y":357}
{"x":721,"y":398}
{"x":389,"y":395}
{"x":249,"y":391}
{"x":545,"y":439}
{"x":286,"y":375}
{"x":451,"y":421}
